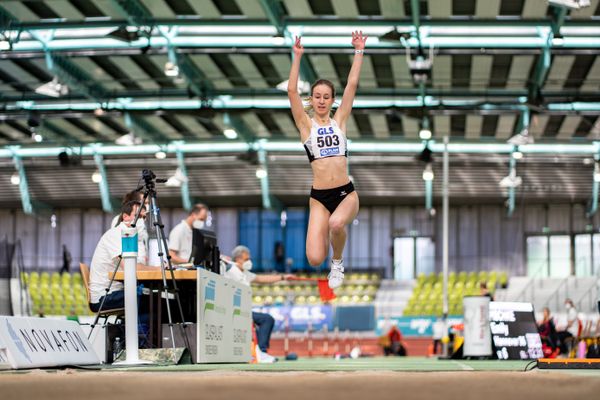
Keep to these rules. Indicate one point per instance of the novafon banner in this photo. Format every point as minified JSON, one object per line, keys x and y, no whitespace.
{"x":41,"y":342}
{"x":224,"y":319}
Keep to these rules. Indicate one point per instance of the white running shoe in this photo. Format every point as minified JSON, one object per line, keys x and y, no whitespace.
{"x":264,"y":358}
{"x":336,"y":275}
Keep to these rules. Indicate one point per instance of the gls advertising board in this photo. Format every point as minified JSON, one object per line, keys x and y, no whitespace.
{"x":42,"y":342}
{"x":224,"y":319}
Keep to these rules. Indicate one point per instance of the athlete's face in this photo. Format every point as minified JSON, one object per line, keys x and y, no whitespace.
{"x":322,"y":99}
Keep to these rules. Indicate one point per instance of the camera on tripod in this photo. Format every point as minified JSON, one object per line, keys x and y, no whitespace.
{"x":148,"y":176}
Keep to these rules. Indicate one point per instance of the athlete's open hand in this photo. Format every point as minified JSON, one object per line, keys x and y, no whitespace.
{"x":298,"y":48}
{"x":358,"y":40}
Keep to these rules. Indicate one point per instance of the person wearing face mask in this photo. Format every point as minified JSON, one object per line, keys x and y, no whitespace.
{"x":241,"y":265}
{"x":333,"y":201}
{"x":567,"y":336}
{"x":106,"y":257}
{"x":180,"y":238}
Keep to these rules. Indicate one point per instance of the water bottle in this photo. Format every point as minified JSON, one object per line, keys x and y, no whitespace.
{"x":116,"y":348}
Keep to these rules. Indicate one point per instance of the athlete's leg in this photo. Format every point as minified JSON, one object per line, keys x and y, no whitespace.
{"x":343,"y":215}
{"x":317,"y":236}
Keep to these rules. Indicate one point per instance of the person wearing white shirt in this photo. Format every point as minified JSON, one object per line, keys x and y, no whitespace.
{"x":568,"y":336}
{"x":106,"y":257}
{"x":180,"y":238}
{"x":138,"y":196}
{"x":240,"y":272}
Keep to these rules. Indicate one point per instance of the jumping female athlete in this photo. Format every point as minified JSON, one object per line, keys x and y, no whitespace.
{"x":333,"y":201}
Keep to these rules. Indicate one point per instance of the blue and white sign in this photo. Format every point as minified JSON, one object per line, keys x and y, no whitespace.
{"x":413,"y":326}
{"x":300,"y":316}
{"x":41,"y":342}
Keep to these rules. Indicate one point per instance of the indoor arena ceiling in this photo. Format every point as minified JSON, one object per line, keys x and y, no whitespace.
{"x":75,"y":73}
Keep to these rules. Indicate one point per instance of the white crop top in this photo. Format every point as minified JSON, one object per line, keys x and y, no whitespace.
{"x":325,"y":141}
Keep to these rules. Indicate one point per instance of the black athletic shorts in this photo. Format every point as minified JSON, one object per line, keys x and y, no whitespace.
{"x":331,"y":198}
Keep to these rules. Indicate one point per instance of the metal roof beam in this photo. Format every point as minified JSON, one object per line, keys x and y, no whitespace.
{"x":63,"y":68}
{"x":143,"y":129}
{"x":226,"y":102}
{"x":323,"y":34}
{"x":107,"y":203}
{"x":23,"y":185}
{"x":274,"y":11}
{"x":415,"y":9}
{"x":269,"y":201}
{"x":545,"y":60}
{"x":185,"y":188}
{"x":137,"y":13}
{"x":391,"y":146}
{"x":593,"y":207}
{"x":238,"y":124}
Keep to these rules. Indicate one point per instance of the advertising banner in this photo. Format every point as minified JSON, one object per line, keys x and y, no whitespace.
{"x":478,"y":339}
{"x":224,"y":319}
{"x":412,"y":326}
{"x":299,"y":317}
{"x":42,"y":342}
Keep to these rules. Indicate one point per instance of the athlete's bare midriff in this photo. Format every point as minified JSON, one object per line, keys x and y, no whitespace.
{"x":329,"y":172}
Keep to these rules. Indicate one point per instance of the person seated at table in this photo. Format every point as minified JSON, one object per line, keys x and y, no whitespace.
{"x":106,"y":257}
{"x":240,"y":272}
{"x":180,"y":238}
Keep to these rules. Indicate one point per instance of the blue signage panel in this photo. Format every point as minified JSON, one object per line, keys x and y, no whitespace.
{"x":300,"y":316}
{"x":413,"y":326}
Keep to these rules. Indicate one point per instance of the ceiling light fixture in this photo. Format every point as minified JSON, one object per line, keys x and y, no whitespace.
{"x":425,"y":134}
{"x":261,"y":173}
{"x":521,"y":138}
{"x":15,"y":179}
{"x":53,"y":88}
{"x":96,"y":177}
{"x":230,"y":133}
{"x":428,"y":173}
{"x":129,"y":139}
{"x":303,"y":86}
{"x":171,"y":69}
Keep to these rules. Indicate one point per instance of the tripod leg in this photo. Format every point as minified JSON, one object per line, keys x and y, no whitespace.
{"x":164,"y":252}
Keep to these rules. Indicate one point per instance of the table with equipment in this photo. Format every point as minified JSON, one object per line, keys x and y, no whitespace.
{"x":219,"y":308}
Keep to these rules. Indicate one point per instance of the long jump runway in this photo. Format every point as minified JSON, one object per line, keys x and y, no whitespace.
{"x":364,"y":379}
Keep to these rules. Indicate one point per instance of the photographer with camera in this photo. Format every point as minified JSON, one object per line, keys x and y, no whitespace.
{"x":106,"y":257}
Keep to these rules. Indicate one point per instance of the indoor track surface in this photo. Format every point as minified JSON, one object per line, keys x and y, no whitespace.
{"x":364,"y":379}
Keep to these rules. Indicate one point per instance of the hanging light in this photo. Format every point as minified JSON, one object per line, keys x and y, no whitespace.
{"x":230,"y":133}
{"x":171,"y":69}
{"x":161,"y":155}
{"x":261,"y":173}
{"x":15,"y":179}
{"x":425,"y":134}
{"x":428,"y":173}
{"x":97,"y":177}
{"x":517,"y":155}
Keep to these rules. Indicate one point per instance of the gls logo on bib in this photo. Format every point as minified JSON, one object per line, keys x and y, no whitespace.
{"x":325,"y":131}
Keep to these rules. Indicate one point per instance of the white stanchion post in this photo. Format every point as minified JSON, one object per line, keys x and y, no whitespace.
{"x":129,"y":243}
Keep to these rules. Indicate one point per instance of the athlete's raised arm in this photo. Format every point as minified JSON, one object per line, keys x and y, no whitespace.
{"x":343,"y":112}
{"x":300,"y":117}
